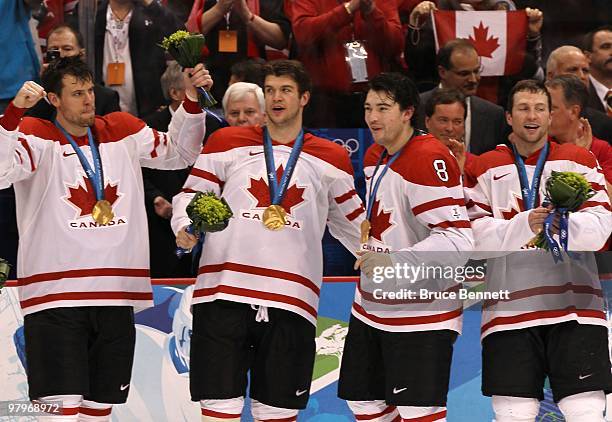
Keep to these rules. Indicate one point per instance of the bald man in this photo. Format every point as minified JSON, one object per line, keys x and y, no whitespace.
{"x":570,"y":60}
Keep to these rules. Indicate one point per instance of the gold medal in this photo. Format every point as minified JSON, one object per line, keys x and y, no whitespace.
{"x":274,"y":217}
{"x":365,"y":231}
{"x":102,"y":212}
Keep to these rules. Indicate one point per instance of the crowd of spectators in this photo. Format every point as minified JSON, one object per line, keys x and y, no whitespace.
{"x":342,"y":44}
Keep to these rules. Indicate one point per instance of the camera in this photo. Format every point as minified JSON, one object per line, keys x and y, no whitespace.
{"x":52,"y":55}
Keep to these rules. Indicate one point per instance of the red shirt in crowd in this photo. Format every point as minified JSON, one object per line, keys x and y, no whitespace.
{"x":321,"y":27}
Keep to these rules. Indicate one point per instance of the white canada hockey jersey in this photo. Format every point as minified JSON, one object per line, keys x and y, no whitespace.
{"x":65,"y":257}
{"x":249,"y":263}
{"x":540,"y":291}
{"x":419,"y":217}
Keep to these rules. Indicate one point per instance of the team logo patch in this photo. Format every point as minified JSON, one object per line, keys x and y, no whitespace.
{"x":81,"y":198}
{"x":258,"y":190}
{"x":516,"y":205}
{"x":381,"y":221}
{"x":456,"y":213}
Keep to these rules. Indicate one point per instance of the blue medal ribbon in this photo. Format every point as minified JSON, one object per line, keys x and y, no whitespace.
{"x":374,"y":186}
{"x":95,"y":176}
{"x":180,"y":252}
{"x":278,"y":190}
{"x":530,"y":192}
{"x":555,"y":248}
{"x":221,"y":120}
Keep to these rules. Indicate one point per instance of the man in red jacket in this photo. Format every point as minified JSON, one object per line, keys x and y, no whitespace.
{"x":343,"y":46}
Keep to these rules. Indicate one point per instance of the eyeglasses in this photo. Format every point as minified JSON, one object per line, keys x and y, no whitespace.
{"x":468,"y":73}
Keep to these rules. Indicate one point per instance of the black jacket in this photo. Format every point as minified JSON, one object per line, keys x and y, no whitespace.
{"x":594,"y":101}
{"x":148,"y":26}
{"x":166,"y":183}
{"x":488,"y":123}
{"x":600,"y":123}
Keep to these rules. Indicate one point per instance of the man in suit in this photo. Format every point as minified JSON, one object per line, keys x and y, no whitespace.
{"x":570,"y":60}
{"x":598,"y":49}
{"x":128,"y":58}
{"x":568,"y":99}
{"x":69,"y":42}
{"x":459,"y":67}
{"x":161,"y":185}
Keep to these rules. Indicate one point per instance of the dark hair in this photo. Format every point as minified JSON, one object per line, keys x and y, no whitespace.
{"x":587,"y":41}
{"x":398,"y":87}
{"x":251,"y":70}
{"x":444,"y":54}
{"x":445,"y":96}
{"x":483,"y":5}
{"x":574,"y":91}
{"x":53,"y":76}
{"x":528,"y":85}
{"x":292,"y":68}
{"x":66,"y":27}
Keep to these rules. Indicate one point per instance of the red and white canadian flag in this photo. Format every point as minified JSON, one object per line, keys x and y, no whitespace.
{"x":499,"y":37}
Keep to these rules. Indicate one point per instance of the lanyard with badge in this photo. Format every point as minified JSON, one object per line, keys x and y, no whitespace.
{"x":228,"y":39}
{"x":118,"y":29}
{"x":356,"y":55}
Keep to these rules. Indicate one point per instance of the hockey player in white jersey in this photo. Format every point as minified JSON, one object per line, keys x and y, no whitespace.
{"x":553,"y":323}
{"x":257,"y":292}
{"x":83,"y":253}
{"x":397,"y":355}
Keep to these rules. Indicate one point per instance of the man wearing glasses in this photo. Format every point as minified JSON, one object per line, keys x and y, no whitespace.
{"x":459,"y":67}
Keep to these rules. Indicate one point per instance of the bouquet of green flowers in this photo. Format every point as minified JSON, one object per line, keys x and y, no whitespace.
{"x":208,"y":213}
{"x":5,"y":269}
{"x":566,"y":191}
{"x":186,"y":49}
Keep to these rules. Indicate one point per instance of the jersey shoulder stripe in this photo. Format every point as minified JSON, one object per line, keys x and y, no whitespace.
{"x":230,"y":138}
{"x":113,"y":127}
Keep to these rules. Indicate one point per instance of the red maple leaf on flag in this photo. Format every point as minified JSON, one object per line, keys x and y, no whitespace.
{"x":381,"y":221}
{"x":85,"y":198}
{"x":259,"y":190}
{"x":483,"y":45}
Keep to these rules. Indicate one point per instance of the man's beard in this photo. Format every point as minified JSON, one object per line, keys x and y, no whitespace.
{"x":89,"y":121}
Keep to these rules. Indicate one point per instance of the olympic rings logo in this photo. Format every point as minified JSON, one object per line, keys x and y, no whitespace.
{"x":351,"y":145}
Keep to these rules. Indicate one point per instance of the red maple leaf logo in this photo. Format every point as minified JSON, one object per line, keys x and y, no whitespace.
{"x":380,"y":221}
{"x":85,"y":198}
{"x":259,"y":190}
{"x":512,"y":211}
{"x":483,"y":45}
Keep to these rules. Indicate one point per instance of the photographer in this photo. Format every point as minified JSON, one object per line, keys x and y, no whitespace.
{"x":65,"y":41}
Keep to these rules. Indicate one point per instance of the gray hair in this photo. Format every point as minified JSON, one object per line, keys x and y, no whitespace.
{"x":172,"y":78}
{"x":238,"y":90}
{"x":574,"y":91}
{"x":553,"y":57}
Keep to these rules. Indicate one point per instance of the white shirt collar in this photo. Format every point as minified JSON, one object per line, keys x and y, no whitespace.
{"x":600,"y":89}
